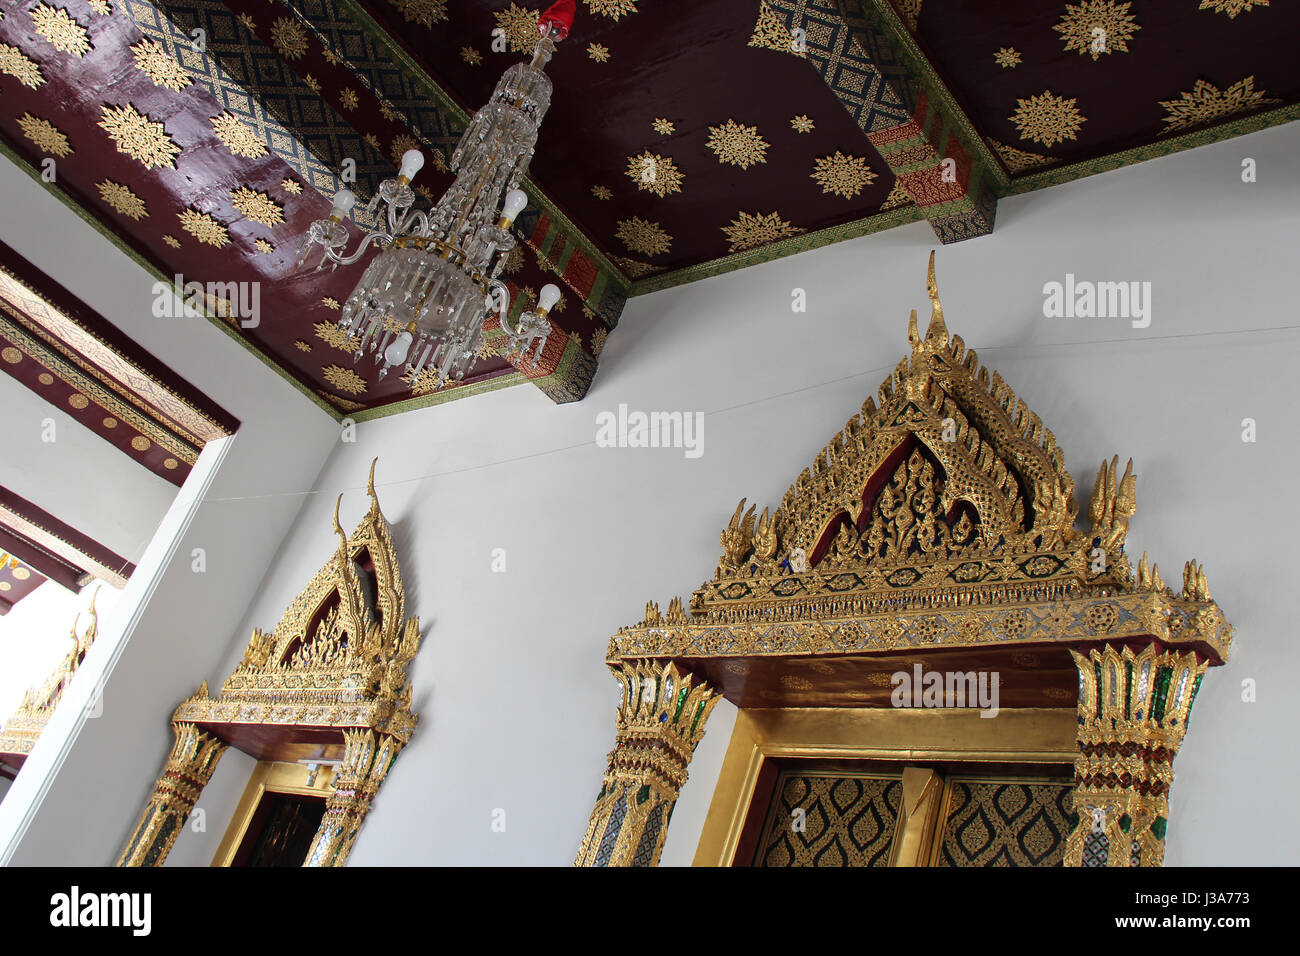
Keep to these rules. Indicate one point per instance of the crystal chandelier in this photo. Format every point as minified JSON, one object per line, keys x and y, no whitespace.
{"x":422,"y":302}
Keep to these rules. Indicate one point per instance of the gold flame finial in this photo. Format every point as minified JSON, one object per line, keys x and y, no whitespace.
{"x":937,"y":333}
{"x":370,"y":482}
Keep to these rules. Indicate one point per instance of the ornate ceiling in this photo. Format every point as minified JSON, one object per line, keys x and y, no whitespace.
{"x":684,"y":140}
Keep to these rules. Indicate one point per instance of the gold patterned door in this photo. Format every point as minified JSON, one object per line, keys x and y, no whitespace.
{"x":866,"y":813}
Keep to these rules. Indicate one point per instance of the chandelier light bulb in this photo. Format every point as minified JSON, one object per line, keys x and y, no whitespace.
{"x":515,"y":202}
{"x":547,"y":298}
{"x":343,"y":203}
{"x":396,"y":353}
{"x":412,"y":163}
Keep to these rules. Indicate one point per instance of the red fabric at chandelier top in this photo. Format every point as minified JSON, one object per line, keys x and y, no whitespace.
{"x":560,"y":14}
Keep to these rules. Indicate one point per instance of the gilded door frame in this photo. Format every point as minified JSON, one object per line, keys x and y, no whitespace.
{"x":270,"y":776}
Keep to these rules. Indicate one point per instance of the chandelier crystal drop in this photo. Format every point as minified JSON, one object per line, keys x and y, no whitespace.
{"x":422,"y":302}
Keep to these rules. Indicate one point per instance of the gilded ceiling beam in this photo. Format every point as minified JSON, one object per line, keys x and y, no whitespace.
{"x":863,"y":53}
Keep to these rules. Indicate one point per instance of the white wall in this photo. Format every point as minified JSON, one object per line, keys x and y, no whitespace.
{"x":188,"y":622}
{"x":516,"y":705}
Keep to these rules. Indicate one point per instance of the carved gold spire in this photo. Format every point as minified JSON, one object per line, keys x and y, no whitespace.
{"x":937,"y":333}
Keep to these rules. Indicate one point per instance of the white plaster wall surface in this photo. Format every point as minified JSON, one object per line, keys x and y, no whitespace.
{"x":190,"y":623}
{"x":516,"y":705}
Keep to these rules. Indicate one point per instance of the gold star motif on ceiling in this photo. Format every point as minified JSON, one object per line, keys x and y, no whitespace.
{"x":614,"y":9}
{"x":373,"y":141}
{"x":663,"y":127}
{"x":771,"y":33}
{"x":471,"y":56}
{"x":598,"y":341}
{"x":737,"y":145}
{"x":424,"y":12}
{"x":20,"y":66}
{"x":519,"y":26}
{"x":204,"y":228}
{"x":102,"y":7}
{"x":424,"y":382}
{"x":1231,"y":7}
{"x":330,"y":302}
{"x":292,"y":186}
{"x":313,"y":84}
{"x":401,"y":143}
{"x":600,"y":192}
{"x":802,"y":124}
{"x":387,"y":111}
{"x":636,"y":269}
{"x":484,"y":350}
{"x":1047,"y":118}
{"x":898,"y":196}
{"x":654,"y":173}
{"x":288,"y":38}
{"x":344,"y":379}
{"x":262,"y":246}
{"x":331,"y":57}
{"x":47,"y":137}
{"x":122,"y":199}
{"x":257,"y":206}
{"x":514,"y":260}
{"x":139,"y":137}
{"x":63,"y":33}
{"x":238,"y":136}
{"x":598,"y":52}
{"x":1094,"y":27}
{"x":748,"y":231}
{"x":1008,"y":57}
{"x":160,"y":66}
{"x":639,"y":235}
{"x":1206,"y":103}
{"x":302,"y":346}
{"x":336,"y":338}
{"x":247,"y":20}
{"x":842,"y":175}
{"x":172,"y":241}
{"x":1019,"y":161}
{"x":348,"y":99}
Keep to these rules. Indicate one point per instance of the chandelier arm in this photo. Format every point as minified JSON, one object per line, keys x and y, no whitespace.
{"x":378,"y":238}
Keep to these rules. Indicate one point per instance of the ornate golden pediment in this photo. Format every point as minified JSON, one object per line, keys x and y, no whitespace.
{"x":24,"y":726}
{"x":941,"y":515}
{"x":338,"y":656}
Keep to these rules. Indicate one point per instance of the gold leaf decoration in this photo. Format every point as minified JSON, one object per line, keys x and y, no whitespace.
{"x":204,"y":228}
{"x":160,"y":66}
{"x":122,"y":199}
{"x":471,"y":56}
{"x":313,"y":84}
{"x":598,"y":52}
{"x":47,"y":137}
{"x":302,"y":346}
{"x":639,"y":235}
{"x":737,"y":145}
{"x":635,"y":269}
{"x":898,"y":196}
{"x":771,"y":33}
{"x":598,"y":341}
{"x":1206,"y":103}
{"x":172,"y":241}
{"x":292,"y":186}
{"x":330,"y":302}
{"x":401,"y":143}
{"x":257,"y":206}
{"x":139,"y":137}
{"x":600,"y":192}
{"x":348,"y":99}
{"x":842,"y":175}
{"x":519,"y":26}
{"x":655,"y":173}
{"x":20,"y":66}
{"x":1008,"y":57}
{"x":63,"y":33}
{"x":614,"y":9}
{"x":289,"y":38}
{"x":424,"y":12}
{"x":748,"y":231}
{"x":1047,"y":119}
{"x":663,"y":127}
{"x":262,"y":246}
{"x":423,"y":383}
{"x":802,"y":124}
{"x":249,"y":23}
{"x":102,"y":7}
{"x":344,"y":379}
{"x":1231,"y":7}
{"x":1019,"y":161}
{"x":238,"y":136}
{"x":514,"y":260}
{"x":333,"y":336}
{"x":1094,"y":27}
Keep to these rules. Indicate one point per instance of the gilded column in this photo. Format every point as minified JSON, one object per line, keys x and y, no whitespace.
{"x":367,"y":758}
{"x":1133,"y":712}
{"x":660,"y":721}
{"x":189,"y":767}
